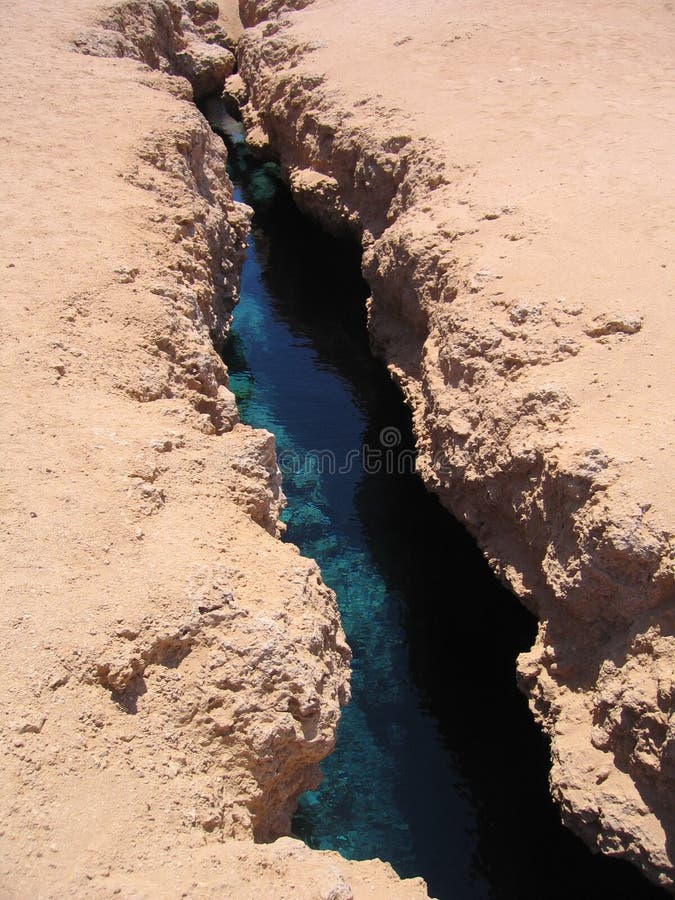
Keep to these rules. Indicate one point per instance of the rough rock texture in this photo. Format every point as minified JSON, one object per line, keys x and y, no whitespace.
{"x":172,"y":671}
{"x":255,"y":11}
{"x":179,"y":38}
{"x":505,"y":169}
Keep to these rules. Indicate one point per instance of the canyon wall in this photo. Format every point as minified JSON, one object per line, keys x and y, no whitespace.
{"x":173,"y":671}
{"x":515,"y":244}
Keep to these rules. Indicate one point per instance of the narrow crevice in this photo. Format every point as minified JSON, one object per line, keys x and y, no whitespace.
{"x":439,"y":767}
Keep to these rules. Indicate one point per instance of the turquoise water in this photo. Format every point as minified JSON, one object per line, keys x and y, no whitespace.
{"x":438,"y":767}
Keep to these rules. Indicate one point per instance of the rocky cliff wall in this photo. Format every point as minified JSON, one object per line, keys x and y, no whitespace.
{"x":173,"y":672}
{"x":503,"y":439}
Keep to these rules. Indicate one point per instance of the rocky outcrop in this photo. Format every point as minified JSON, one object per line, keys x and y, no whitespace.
{"x":253,"y":12}
{"x":496,"y":372}
{"x":173,"y":672}
{"x":244,"y":691}
{"x":184,"y":39}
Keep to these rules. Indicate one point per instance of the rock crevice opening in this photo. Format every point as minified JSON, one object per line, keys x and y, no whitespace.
{"x":556,"y":514}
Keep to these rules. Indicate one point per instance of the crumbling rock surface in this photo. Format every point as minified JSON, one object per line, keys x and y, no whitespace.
{"x":175,"y":37}
{"x":255,"y":11}
{"x":173,"y":672}
{"x":516,"y":246}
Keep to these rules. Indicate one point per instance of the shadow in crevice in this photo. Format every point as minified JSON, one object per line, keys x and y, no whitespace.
{"x":127,"y":700}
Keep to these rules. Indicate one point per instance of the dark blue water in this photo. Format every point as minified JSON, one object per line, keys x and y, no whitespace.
{"x":439,"y":768}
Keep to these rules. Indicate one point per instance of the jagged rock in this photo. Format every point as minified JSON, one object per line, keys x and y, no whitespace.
{"x":167,"y":686}
{"x":541,"y":428}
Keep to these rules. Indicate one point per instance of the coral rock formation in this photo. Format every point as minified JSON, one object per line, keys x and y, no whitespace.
{"x":514,"y":245}
{"x":173,"y":671}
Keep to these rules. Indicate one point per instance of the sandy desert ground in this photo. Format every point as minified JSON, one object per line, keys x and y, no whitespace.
{"x":173,"y":671}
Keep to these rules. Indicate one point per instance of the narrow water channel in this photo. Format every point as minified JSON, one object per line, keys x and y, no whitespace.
{"x":438,"y":768}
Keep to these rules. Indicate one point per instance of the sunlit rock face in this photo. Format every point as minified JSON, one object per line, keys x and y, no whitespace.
{"x":515,"y":251}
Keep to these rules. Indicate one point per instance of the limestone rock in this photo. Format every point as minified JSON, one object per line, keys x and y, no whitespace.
{"x":174,"y":673}
{"x":519,"y":297}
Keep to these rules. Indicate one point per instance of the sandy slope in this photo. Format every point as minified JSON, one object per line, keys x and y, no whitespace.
{"x":172,"y":673}
{"x":509,"y":168}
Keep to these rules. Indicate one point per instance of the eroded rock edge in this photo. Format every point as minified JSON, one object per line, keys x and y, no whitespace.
{"x":550,"y":516}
